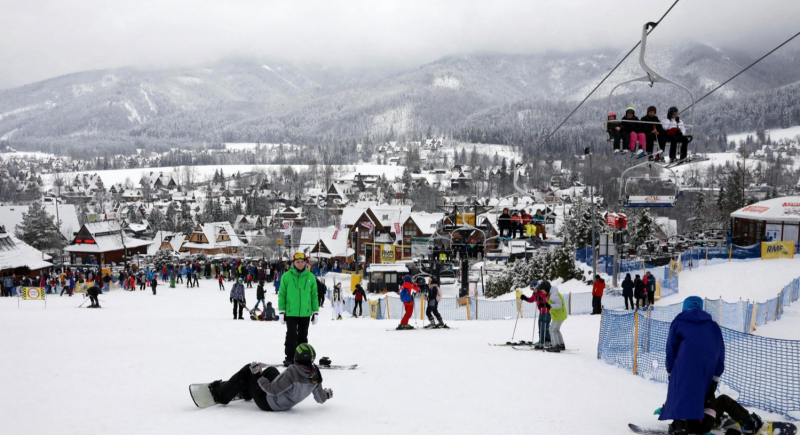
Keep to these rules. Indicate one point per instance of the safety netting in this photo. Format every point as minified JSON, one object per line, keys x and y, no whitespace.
{"x":765,"y":372}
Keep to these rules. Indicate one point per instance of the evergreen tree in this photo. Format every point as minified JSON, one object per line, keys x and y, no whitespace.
{"x":171,"y":219}
{"x":156,"y":219}
{"x":407,"y":182}
{"x":39,"y":229}
{"x":641,"y":227}
{"x":186,"y":222}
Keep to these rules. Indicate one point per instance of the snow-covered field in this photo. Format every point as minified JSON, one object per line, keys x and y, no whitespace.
{"x":775,"y":135}
{"x":125,"y":368}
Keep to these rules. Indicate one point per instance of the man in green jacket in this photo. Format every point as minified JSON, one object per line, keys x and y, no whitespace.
{"x":298,"y":304}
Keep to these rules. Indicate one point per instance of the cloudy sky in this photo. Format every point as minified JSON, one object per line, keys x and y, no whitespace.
{"x":40,"y":39}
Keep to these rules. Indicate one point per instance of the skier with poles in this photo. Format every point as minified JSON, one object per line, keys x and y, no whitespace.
{"x":336,"y":301}
{"x":298,"y":304}
{"x":558,"y":314}
{"x":539,"y":297}
{"x":434,"y":297}
{"x":407,"y":298}
{"x":272,"y":390}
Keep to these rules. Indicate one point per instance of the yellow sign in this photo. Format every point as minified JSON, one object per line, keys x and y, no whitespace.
{"x":279,"y":242}
{"x":81,"y":287}
{"x":387,"y":255}
{"x":105,"y":271}
{"x":773,"y":250}
{"x":32,"y":293}
{"x":374,"y":306}
{"x":465,"y":219}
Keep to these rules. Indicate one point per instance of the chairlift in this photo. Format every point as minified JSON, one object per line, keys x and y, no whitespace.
{"x":630,"y":197}
{"x":652,"y":77}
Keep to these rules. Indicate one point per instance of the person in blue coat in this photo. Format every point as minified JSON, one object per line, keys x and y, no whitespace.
{"x":695,"y":360}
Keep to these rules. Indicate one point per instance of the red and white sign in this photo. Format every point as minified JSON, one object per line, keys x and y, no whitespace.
{"x":791,"y":204}
{"x":367,"y":225}
{"x":756,"y":209}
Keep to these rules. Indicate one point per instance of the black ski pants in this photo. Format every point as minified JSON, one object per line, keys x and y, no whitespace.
{"x":357,"y":307}
{"x":433,"y":311}
{"x":296,"y":334}
{"x":651,"y":297}
{"x":94,"y":301}
{"x":627,"y":299}
{"x":650,"y":138}
{"x":154,"y":287}
{"x":597,"y":305}
{"x":237,"y":305}
{"x":321,"y":297}
{"x":674,"y":140}
{"x":245,"y":383}
{"x":721,"y":405}
{"x":616,"y":136}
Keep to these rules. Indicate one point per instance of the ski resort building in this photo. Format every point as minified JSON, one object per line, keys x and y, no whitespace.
{"x":776,"y":219}
{"x":212,"y":238}
{"x":104,"y":243}
{"x":19,"y":258}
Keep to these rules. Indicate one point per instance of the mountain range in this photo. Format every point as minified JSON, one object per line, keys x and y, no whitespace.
{"x":246,"y":99}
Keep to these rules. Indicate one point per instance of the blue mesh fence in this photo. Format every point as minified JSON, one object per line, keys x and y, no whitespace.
{"x":770,"y":381}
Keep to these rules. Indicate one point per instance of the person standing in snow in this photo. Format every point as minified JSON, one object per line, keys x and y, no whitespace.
{"x":260,"y":296}
{"x":432,"y":311}
{"x":597,"y":295}
{"x":558,"y":314}
{"x":238,"y":299}
{"x":359,"y":296}
{"x":336,"y":302}
{"x":695,"y":359}
{"x":639,"y":292}
{"x":627,"y":291}
{"x":272,"y":390}
{"x":407,"y":292}
{"x":298,"y":304}
{"x":219,"y":279}
{"x":153,"y":284}
{"x":651,"y":288}
{"x":322,"y":290}
{"x":539,"y":297}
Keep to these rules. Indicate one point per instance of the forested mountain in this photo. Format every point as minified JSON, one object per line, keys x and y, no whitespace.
{"x":480,"y":98}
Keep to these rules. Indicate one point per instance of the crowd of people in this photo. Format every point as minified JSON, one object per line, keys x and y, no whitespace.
{"x":61,"y":280}
{"x":643,"y":289}
{"x":519,"y":224}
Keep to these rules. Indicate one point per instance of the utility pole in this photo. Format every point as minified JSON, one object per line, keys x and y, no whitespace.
{"x":588,"y":151}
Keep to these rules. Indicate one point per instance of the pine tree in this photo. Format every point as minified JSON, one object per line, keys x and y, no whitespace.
{"x":39,"y":229}
{"x":641,"y":227}
{"x":156,"y":219}
{"x":186,"y":221}
{"x":407,"y":181}
{"x":171,"y":219}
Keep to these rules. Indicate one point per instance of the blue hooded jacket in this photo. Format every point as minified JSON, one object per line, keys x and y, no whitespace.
{"x":695,"y":356}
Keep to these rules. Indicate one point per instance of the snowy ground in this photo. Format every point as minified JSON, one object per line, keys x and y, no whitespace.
{"x":776,"y":135}
{"x":125,"y":369}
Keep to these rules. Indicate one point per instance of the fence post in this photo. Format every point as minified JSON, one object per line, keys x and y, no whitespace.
{"x":635,"y":340}
{"x":476,"y":307}
{"x":754,"y":317}
{"x":569,"y":304}
{"x":388,"y":314}
{"x":421,"y":306}
{"x":706,"y":255}
{"x":467,"y":305}
{"x":730,"y":252}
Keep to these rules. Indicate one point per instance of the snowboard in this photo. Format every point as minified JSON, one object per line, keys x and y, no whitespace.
{"x":201,"y":395}
{"x":769,"y":428}
{"x":329,"y":367}
{"x":421,"y":329}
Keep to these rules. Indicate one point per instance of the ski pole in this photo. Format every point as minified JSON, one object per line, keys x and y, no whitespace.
{"x":535,"y":316}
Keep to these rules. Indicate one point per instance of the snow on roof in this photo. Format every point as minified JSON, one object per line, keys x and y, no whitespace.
{"x":784,"y":209}
{"x":427,"y":222}
{"x":11,"y":216}
{"x":338,"y":247}
{"x":16,"y":253}
{"x":212,"y":231}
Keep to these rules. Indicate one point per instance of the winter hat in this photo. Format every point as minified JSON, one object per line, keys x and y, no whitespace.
{"x":652,"y":109}
{"x":534,"y":283}
{"x":612,"y":113}
{"x":631,"y":110}
{"x":545,"y":286}
{"x":407,"y":278}
{"x":672,"y":110}
{"x":240,"y":280}
{"x":692,"y":302}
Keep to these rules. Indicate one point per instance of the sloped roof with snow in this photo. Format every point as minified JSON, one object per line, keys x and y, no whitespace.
{"x":338,"y":246}
{"x":16,"y":253}
{"x":426,"y":222}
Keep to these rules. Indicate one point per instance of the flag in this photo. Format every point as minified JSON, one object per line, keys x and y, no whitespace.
{"x":287,"y":228}
{"x":367,"y":225}
{"x":398,"y":232}
{"x":32,"y":293}
{"x":336,"y":233}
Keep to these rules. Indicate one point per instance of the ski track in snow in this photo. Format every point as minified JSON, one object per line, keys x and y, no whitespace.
{"x":282,"y":77}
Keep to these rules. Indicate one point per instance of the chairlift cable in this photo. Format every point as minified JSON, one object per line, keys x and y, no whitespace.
{"x":740,"y":72}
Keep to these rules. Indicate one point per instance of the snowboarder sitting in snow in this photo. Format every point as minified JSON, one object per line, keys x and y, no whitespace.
{"x":267,"y":315}
{"x":272,"y":390}
{"x":715,"y":418}
{"x":695,"y":359}
{"x":407,"y":298}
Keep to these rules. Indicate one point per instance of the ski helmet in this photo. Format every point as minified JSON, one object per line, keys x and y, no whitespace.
{"x":304,"y":354}
{"x":545,"y":285}
{"x":612,"y":113}
{"x":630,"y":109}
{"x":672,"y":110}
{"x":534,"y":283}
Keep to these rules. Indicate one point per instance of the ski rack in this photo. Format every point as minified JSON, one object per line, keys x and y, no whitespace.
{"x":650,"y":77}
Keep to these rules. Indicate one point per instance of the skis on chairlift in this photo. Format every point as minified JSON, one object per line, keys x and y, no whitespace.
{"x":691,"y":159}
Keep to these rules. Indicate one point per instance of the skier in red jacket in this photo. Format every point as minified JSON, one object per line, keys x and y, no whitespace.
{"x":597,"y":294}
{"x":407,"y":298}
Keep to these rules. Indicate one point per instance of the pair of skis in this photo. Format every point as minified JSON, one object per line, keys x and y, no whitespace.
{"x":769,"y":428}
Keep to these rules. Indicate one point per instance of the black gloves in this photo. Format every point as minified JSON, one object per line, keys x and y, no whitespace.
{"x":524,"y":298}
{"x":231,"y":300}
{"x":547,"y":305}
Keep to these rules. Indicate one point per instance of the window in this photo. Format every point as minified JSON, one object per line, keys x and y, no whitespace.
{"x":363,"y":234}
{"x":391,"y":278}
{"x":362,"y":248}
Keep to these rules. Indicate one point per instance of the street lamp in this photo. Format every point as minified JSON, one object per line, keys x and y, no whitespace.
{"x":587,"y":151}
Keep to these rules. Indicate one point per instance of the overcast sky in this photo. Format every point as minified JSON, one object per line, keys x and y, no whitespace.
{"x":40,"y":39}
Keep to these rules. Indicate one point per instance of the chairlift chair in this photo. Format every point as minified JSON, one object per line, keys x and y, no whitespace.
{"x":628,"y":199}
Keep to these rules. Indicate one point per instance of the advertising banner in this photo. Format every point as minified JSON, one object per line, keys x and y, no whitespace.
{"x":775,"y":250}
